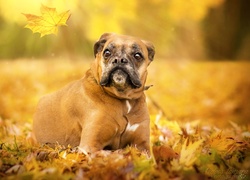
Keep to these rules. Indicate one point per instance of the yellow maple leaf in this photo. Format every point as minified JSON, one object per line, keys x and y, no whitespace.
{"x":48,"y":22}
{"x":188,"y":154}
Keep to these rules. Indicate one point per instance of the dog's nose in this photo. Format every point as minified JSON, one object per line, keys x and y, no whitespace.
{"x":120,"y":61}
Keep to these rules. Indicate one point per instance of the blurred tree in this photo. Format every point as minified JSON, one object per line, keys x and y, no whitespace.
{"x":17,"y":42}
{"x":173,"y":25}
{"x":227,"y":31}
{"x":192,"y":29}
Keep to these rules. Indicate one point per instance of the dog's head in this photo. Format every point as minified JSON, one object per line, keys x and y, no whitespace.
{"x":122,"y":63}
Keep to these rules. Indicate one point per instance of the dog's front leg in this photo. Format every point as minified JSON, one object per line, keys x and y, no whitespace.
{"x":98,"y":134}
{"x":141,"y":136}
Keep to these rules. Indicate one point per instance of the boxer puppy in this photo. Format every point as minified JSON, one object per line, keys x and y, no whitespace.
{"x":106,"y":109}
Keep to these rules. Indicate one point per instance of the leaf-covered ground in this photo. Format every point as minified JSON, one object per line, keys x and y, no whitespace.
{"x":200,"y":128}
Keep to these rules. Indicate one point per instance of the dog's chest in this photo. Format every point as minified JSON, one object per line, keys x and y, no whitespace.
{"x":129,"y":112}
{"x":128,"y":106}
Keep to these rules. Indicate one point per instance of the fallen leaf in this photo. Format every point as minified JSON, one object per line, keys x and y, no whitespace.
{"x":15,"y":169}
{"x":48,"y":22}
{"x":189,"y":152}
{"x":164,"y":153}
{"x":222,"y":143}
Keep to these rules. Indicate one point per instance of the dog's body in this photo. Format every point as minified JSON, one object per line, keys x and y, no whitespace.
{"x":106,"y":109}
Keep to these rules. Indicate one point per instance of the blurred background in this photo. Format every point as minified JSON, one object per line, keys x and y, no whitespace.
{"x":190,"y":29}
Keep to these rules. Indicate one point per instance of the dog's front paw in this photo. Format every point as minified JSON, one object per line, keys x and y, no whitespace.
{"x":87,"y":150}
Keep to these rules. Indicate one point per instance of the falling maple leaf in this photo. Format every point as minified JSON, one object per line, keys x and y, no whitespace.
{"x":48,"y":22}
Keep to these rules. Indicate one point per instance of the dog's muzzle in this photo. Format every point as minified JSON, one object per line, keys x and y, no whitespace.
{"x":120,"y":76}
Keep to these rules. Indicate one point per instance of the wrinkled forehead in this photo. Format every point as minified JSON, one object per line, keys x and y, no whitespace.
{"x":125,"y":42}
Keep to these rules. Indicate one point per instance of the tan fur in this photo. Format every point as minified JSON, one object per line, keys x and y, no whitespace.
{"x":93,"y":117}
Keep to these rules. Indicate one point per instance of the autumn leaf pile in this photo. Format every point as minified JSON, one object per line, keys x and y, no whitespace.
{"x":186,"y":144}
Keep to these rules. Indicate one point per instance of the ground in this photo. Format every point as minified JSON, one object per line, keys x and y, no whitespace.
{"x":199,"y":114}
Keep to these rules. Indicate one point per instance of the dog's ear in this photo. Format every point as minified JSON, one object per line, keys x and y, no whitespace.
{"x":150,"y":48}
{"x":100,"y":43}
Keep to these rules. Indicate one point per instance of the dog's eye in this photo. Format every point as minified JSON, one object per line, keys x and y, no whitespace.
{"x":106,"y":54}
{"x":138,"y":56}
